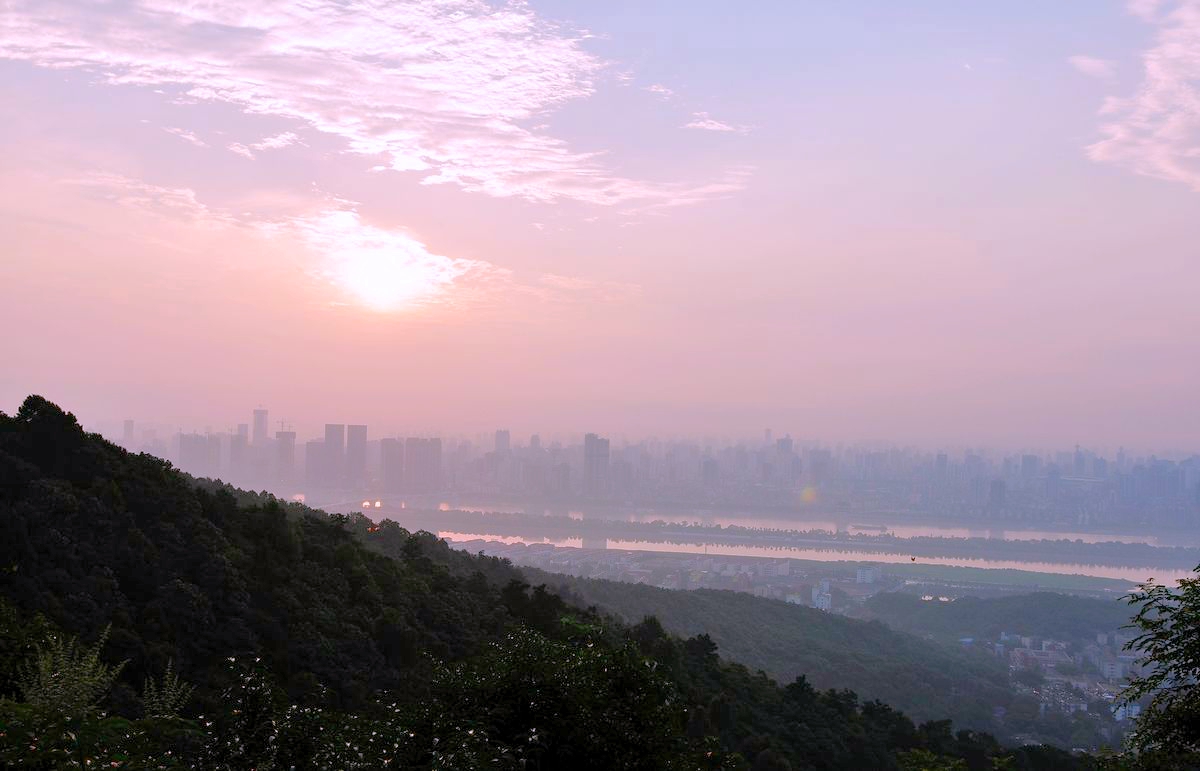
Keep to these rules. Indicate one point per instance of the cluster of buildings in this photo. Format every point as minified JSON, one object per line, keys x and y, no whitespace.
{"x":1079,"y":488}
{"x":1073,"y":673}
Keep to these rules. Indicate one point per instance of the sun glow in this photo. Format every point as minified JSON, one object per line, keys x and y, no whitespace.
{"x":381,"y":270}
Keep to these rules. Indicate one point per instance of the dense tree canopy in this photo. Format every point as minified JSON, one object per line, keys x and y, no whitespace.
{"x":1169,"y":624}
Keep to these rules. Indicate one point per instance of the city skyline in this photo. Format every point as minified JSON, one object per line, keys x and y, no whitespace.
{"x":506,"y":439}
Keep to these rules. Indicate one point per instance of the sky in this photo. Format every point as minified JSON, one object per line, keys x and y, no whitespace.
{"x":917,"y":222}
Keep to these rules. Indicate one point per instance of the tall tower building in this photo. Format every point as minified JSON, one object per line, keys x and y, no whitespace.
{"x":595,"y":466}
{"x":314,"y":464}
{"x":334,"y":454}
{"x":193,"y":454}
{"x":503,"y":441}
{"x":238,"y":466}
{"x":356,"y":456}
{"x":127,"y":435}
{"x":391,"y":464}
{"x":260,"y":427}
{"x":422,"y":465}
{"x":285,"y":455}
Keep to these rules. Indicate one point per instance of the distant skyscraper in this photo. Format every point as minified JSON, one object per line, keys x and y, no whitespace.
{"x":213,"y":455}
{"x":502,"y":441}
{"x":285,"y":455}
{"x":127,"y":435}
{"x":356,"y":456}
{"x":334,"y":454}
{"x":260,"y":427}
{"x":314,"y":464}
{"x":535,"y":442}
{"x":193,"y":454}
{"x":237,"y":455}
{"x":391,"y":464}
{"x":595,"y":466}
{"x":997,"y":495}
{"x":422,"y":465}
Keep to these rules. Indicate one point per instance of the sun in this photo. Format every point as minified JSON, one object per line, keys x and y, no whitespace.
{"x":381,"y":270}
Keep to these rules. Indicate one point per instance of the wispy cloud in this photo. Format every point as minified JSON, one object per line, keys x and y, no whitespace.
{"x":445,"y":88}
{"x":1093,"y":67}
{"x":275,"y":142}
{"x":1156,"y":131}
{"x":381,"y":269}
{"x":704,"y":122}
{"x":186,"y":136}
{"x":166,"y":202}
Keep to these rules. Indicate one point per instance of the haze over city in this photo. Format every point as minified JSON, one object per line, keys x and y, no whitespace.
{"x":944,"y":223}
{"x":552,"y":384}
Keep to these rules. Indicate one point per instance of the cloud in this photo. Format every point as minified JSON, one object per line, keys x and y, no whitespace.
{"x":444,"y":88}
{"x":1156,"y":130}
{"x":660,"y":91}
{"x":164,"y":202}
{"x":275,"y":142}
{"x":1144,"y":9}
{"x":187,"y":136}
{"x":1093,"y":67}
{"x":380,"y":269}
{"x":703,"y":122}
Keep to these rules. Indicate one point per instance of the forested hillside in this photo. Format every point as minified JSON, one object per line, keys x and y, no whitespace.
{"x":307,"y":647}
{"x":1042,"y":614}
{"x":923,"y":679}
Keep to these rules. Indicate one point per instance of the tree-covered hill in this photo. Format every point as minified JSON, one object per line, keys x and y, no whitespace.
{"x":1042,"y":614}
{"x":313,"y":643}
{"x":924,"y":679}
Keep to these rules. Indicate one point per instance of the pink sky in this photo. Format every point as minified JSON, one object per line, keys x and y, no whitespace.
{"x":936,"y":225}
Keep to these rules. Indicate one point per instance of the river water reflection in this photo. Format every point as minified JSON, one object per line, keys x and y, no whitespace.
{"x":1133,"y":574}
{"x":858,"y":523}
{"x":861,"y":524}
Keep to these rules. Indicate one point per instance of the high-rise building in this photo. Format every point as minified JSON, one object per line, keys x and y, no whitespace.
{"x":502,"y":441}
{"x":193,"y":454}
{"x":212,"y":459}
{"x":391,"y":464}
{"x":260,"y":427}
{"x":595,"y":466}
{"x":314,"y":464}
{"x":997,"y":495}
{"x":334,"y":454}
{"x":535,"y":442}
{"x":237,"y":456}
{"x":285,"y":455}
{"x":356,"y":456}
{"x":422,"y":465}
{"x":1029,"y":466}
{"x":127,"y":435}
